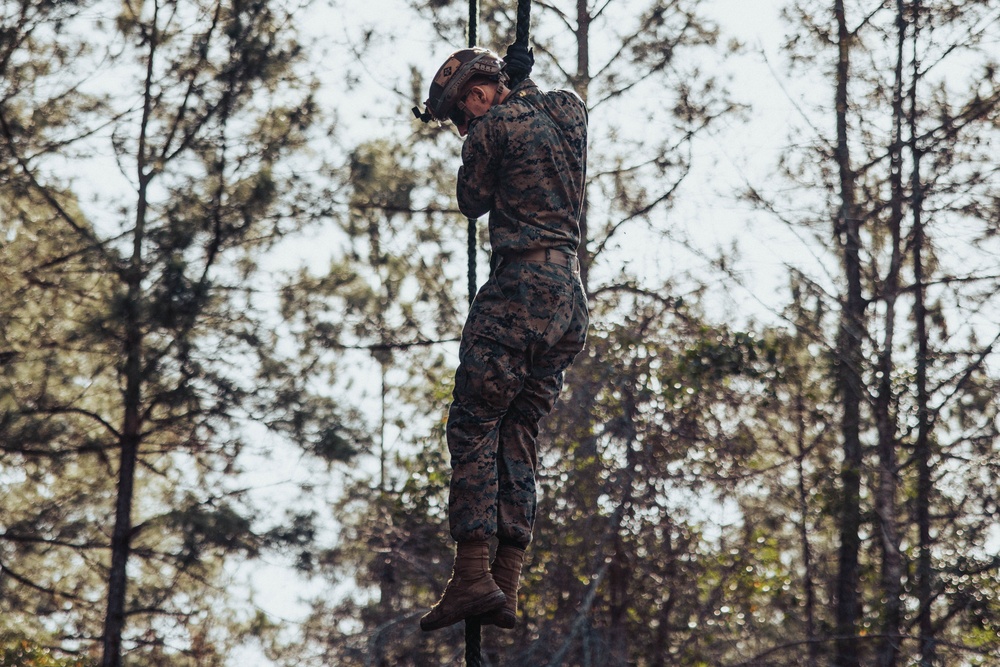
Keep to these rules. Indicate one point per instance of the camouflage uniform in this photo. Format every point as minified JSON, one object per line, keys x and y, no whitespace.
{"x":524,"y":161}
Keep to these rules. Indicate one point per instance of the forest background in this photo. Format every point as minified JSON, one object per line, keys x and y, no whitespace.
{"x":233,"y":275}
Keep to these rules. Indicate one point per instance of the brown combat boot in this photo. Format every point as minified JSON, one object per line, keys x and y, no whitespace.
{"x":470,"y":592}
{"x":506,"y":570}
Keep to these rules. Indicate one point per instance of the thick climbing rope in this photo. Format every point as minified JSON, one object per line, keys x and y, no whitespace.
{"x":473,"y":643}
{"x":473,"y":628}
{"x":523,"y":22}
{"x":473,"y":29}
{"x":519,"y":58}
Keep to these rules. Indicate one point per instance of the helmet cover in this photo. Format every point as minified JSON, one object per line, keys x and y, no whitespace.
{"x":458,"y":69}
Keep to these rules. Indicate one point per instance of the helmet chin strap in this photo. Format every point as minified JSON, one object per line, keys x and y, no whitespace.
{"x":498,"y":96}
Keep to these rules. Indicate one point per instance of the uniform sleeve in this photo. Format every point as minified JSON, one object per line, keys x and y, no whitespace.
{"x":479,"y":174}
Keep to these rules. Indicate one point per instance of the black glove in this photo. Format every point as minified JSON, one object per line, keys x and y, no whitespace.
{"x":518,"y":62}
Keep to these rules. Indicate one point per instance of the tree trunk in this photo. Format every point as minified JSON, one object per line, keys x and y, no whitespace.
{"x":849,"y":359}
{"x":619,"y":576}
{"x":922,"y":453}
{"x":129,"y":440}
{"x":131,"y":435}
{"x":664,"y":630}
{"x":807,"y":565}
{"x":886,"y":496}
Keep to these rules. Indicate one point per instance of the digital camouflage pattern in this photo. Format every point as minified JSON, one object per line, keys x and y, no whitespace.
{"x":527,"y":324}
{"x":525,"y":163}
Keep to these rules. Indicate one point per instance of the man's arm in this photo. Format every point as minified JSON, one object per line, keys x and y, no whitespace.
{"x":480,"y":171}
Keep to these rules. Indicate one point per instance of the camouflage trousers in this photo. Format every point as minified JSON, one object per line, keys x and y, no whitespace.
{"x":525,"y":327}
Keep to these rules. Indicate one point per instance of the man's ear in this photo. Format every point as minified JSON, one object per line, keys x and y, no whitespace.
{"x":477,"y":90}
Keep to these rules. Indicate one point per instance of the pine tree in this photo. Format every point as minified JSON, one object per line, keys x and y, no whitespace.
{"x":129,"y":383}
{"x":902,"y":139}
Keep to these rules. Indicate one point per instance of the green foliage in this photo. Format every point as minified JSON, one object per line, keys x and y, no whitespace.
{"x":135,"y":339}
{"x":662,"y":432}
{"x":19,"y":652}
{"x":387,"y":306}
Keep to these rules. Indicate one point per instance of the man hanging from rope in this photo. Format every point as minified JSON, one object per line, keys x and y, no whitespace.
{"x":524,"y":162}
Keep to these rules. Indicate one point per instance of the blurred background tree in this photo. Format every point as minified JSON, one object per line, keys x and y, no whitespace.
{"x":798,"y":477}
{"x":147,"y":166}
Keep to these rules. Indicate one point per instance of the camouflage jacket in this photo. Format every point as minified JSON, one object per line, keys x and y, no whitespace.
{"x":525,"y":162}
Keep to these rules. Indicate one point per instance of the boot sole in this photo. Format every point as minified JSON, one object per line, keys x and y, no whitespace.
{"x":501,"y":619}
{"x":485,"y":605}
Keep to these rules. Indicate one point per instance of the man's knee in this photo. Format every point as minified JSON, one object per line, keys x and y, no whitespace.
{"x":538,"y":396}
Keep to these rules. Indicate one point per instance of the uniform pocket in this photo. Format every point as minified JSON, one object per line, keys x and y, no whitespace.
{"x":512,"y":282}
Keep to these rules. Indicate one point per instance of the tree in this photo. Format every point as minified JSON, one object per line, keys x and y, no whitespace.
{"x":150,"y":366}
{"x":870,"y":176}
{"x":55,"y":469}
{"x":847,"y":230}
{"x":389,"y":302}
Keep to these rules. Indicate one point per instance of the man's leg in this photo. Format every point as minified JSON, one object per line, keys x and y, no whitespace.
{"x":547,"y":362}
{"x":488,"y":377}
{"x":518,"y":458}
{"x":517,"y":498}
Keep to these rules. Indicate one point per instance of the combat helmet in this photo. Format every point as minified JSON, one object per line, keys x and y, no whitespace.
{"x":449,"y":81}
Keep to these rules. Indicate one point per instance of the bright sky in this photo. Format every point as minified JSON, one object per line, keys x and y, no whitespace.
{"x":736,"y":150}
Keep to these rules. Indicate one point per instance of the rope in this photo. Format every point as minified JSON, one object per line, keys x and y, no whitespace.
{"x":523,"y":22}
{"x":473,"y":643}
{"x":519,"y":59}
{"x":472,"y":260}
{"x":473,"y":628}
{"x":473,"y":22}
{"x":473,"y":29}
